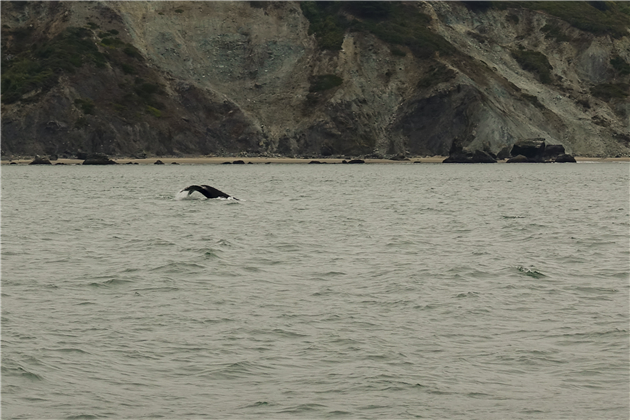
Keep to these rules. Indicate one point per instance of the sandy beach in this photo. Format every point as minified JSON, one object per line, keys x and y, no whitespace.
{"x":203,"y":160}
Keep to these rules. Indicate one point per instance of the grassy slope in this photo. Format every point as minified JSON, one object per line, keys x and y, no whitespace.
{"x":393,"y":22}
{"x":597,"y":17}
{"x":402,"y":24}
{"x":31,"y":64}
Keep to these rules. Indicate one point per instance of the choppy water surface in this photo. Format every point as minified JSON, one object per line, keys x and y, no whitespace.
{"x":331,"y":291}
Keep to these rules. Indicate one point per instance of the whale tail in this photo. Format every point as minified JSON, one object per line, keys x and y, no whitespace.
{"x":207,"y":191}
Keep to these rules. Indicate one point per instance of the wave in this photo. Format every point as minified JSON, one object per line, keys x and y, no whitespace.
{"x":530,"y":273}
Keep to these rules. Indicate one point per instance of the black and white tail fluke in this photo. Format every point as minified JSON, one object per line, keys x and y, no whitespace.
{"x":207,"y":191}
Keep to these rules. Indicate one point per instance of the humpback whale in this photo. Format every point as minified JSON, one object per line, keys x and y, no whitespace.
{"x":208,"y":191}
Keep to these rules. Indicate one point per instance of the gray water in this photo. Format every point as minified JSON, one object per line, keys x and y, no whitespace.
{"x":328,"y":291}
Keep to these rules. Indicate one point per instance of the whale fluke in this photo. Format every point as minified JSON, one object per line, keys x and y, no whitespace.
{"x":208,"y":191}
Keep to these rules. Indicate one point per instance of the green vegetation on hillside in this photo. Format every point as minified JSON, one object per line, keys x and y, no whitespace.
{"x":400,"y":23}
{"x":325,"y":82}
{"x":259,"y":4}
{"x":620,"y":65}
{"x":535,"y":62}
{"x":597,"y":17}
{"x":438,"y":73}
{"x":553,"y":31}
{"x":608,"y":91}
{"x":32,"y":66}
{"x":392,"y":22}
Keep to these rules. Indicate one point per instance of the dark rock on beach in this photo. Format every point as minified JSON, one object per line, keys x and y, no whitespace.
{"x":532,"y":149}
{"x":98,"y":159}
{"x":553,"y":151}
{"x":504,"y":153}
{"x":564,"y":158}
{"x":478,"y":156}
{"x":39,"y":160}
{"x":158,"y":162}
{"x":518,"y":159}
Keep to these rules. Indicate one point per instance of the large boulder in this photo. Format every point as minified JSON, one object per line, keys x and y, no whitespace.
{"x":98,"y":159}
{"x":565,"y":158}
{"x":553,"y":150}
{"x":478,"y":156}
{"x":532,"y":149}
{"x":40,"y":160}
{"x":518,"y":159}
{"x":504,"y":153}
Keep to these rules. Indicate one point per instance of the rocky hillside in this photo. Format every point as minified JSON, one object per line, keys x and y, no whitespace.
{"x":311,"y":79}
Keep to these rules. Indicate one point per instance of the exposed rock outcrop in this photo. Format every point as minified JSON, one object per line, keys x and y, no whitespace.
{"x":532,"y":149}
{"x":518,"y":159}
{"x":98,"y":159}
{"x":477,"y":156}
{"x":40,"y":160}
{"x":565,"y":158}
{"x":262,"y":77}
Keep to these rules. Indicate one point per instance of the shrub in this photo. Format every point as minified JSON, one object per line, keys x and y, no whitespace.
{"x":535,"y":62}
{"x":599,"y":5}
{"x":112,"y":42}
{"x":86,"y":105}
{"x":81,"y":122}
{"x":398,"y":52}
{"x":513,"y":19}
{"x":324,"y":82}
{"x":258,"y":4}
{"x":438,"y":73}
{"x":553,"y":31}
{"x":370,"y":9}
{"x":127,"y":69}
{"x":179,"y":11}
{"x":608,"y":91}
{"x":620,"y":65}
{"x":113,"y":31}
{"x":119,"y":107}
{"x":533,"y":100}
{"x":153,"y":111}
{"x":478,"y":6}
{"x":145,"y":90}
{"x":92,"y":25}
{"x":132,"y":51}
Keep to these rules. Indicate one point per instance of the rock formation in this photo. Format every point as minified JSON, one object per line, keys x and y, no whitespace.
{"x":98,"y":159}
{"x":256,"y":78}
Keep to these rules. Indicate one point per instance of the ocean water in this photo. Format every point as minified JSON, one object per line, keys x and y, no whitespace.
{"x":328,"y":291}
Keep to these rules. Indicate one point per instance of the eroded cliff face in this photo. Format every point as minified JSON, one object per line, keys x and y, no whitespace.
{"x":239,"y":77}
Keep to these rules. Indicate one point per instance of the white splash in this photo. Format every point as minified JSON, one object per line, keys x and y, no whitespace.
{"x":181,"y":195}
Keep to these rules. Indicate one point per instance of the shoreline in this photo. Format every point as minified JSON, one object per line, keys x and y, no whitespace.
{"x":203,"y":160}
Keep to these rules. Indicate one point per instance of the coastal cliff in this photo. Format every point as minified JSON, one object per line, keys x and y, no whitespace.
{"x":313,"y":79}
